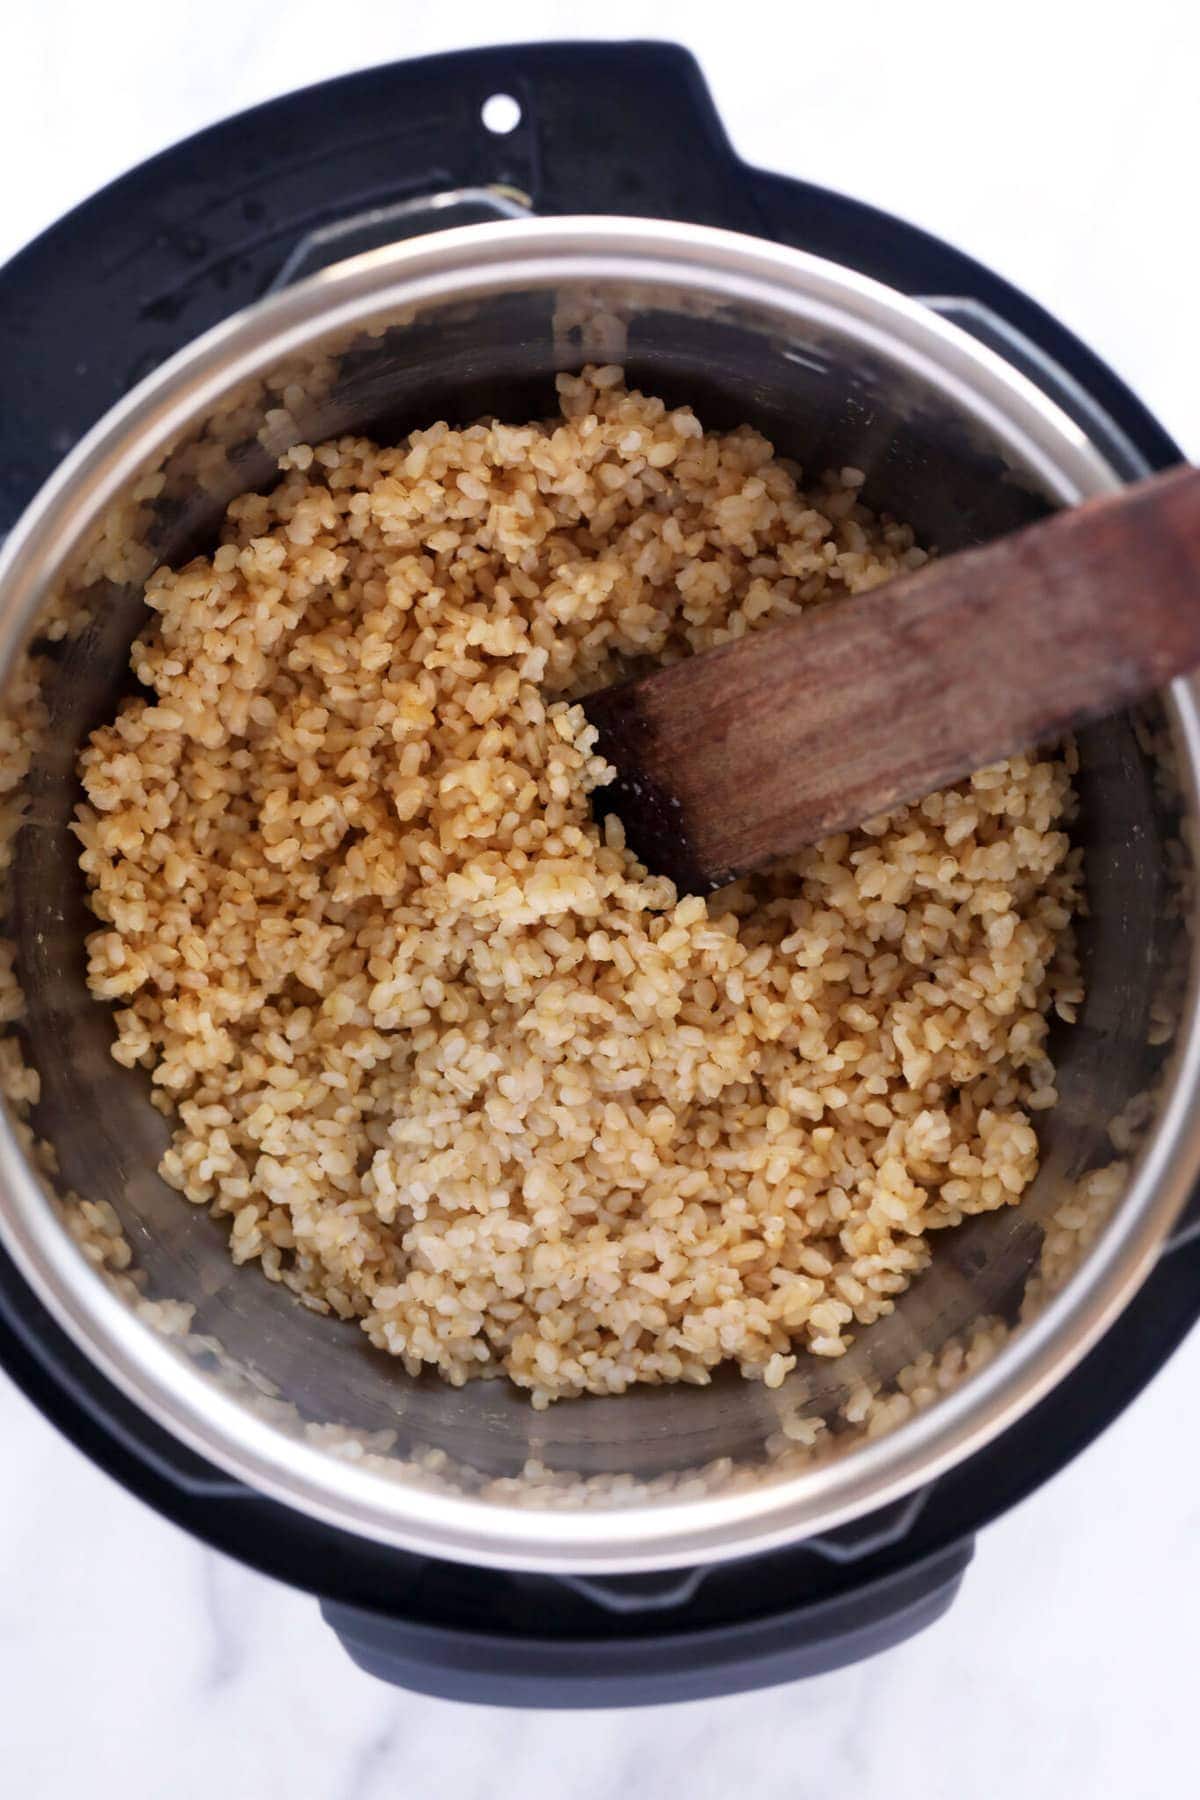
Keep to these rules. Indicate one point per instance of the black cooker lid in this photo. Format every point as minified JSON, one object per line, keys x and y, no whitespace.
{"x":90,"y":308}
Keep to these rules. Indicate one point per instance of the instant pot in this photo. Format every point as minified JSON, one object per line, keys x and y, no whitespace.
{"x":437,"y":238}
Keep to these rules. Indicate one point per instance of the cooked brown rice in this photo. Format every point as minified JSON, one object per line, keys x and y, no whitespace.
{"x":444,"y":1055}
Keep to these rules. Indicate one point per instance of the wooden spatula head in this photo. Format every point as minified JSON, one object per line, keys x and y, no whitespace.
{"x":731,"y":760}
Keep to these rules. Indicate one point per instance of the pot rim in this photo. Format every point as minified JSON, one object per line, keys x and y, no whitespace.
{"x":475,"y":261}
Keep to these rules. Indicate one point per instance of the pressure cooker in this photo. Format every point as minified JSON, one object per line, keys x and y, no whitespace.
{"x":439,"y":239}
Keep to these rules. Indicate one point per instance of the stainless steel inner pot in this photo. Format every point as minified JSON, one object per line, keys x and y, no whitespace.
{"x":837,"y":370}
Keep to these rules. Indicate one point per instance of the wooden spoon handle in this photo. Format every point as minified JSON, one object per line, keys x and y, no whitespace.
{"x":730,"y":760}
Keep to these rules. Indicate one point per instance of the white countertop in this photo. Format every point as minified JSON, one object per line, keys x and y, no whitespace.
{"x":133,"y":1663}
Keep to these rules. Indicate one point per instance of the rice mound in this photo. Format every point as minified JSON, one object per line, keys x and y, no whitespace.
{"x":444,"y":1055}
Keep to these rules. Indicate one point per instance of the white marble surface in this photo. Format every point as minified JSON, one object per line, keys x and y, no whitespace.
{"x":135,"y":1664}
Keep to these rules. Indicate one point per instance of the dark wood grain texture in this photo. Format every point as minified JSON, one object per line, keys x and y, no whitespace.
{"x":730,"y":760}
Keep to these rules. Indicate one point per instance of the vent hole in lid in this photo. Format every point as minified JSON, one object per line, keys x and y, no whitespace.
{"x":501,"y":114}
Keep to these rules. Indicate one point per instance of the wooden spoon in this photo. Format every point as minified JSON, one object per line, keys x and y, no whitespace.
{"x":730,"y":760}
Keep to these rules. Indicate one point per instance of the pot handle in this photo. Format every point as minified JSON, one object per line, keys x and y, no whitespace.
{"x":378,"y":226}
{"x":606,"y":1660}
{"x":989,"y":328}
{"x":1187,"y":1227}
